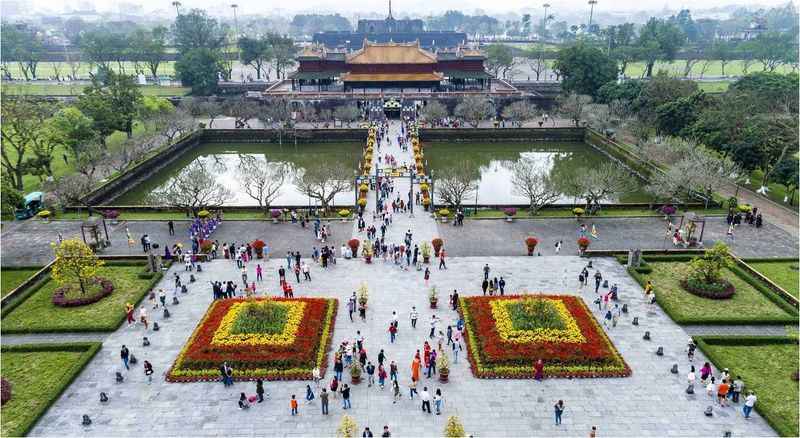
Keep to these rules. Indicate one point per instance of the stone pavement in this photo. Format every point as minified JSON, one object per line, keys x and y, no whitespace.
{"x":500,"y":238}
{"x":651,"y":402}
{"x":28,"y":243}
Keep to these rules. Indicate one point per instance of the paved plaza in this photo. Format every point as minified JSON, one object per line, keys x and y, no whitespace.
{"x":651,"y":402}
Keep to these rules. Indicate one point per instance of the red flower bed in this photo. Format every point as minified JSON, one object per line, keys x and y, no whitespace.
{"x":59,"y":298}
{"x":492,"y":357}
{"x":200,"y":359}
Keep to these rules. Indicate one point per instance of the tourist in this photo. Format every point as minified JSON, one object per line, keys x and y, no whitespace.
{"x":427,"y":276}
{"x":486,"y":270}
{"x":346,"y":397}
{"x":434,"y":321}
{"x":691,"y":377}
{"x":143,"y":316}
{"x":366,"y":433}
{"x":124,"y":354}
{"x":722,"y":392}
{"x":259,"y":273}
{"x":393,"y":371}
{"x":323,"y":400}
{"x":711,"y":387}
{"x":749,"y":403}
{"x":502,"y":285}
{"x":338,"y":368}
{"x":129,"y":309}
{"x":438,"y":401}
{"x":316,"y":375}
{"x":593,"y":432}
{"x":386,"y":432}
{"x":293,"y":405}
{"x":559,"y":410}
{"x":148,"y":371}
{"x":243,"y":402}
{"x":412,"y":389}
{"x":598,"y":278}
{"x":260,"y":390}
{"x":370,"y":368}
{"x":485,"y":286}
{"x":171,"y":227}
{"x":306,"y":271}
{"x":309,"y":395}
{"x":162,"y":296}
{"x":738,"y":386}
{"x":381,"y":375}
{"x":415,"y":366}
{"x":426,"y":400}
{"x":705,"y":372}
{"x":392,"y":332}
{"x":296,"y":271}
{"x":456,"y":348}
{"x":334,"y":386}
{"x":442,"y":264}
{"x":351,"y":306}
{"x":538,"y":368}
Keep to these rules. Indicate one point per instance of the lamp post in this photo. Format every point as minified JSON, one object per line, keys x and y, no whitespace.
{"x":591,"y":12}
{"x":546,"y":6}
{"x":234,"y":6}
{"x":177,"y":5}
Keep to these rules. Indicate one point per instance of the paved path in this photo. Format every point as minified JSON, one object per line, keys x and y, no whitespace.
{"x":783,"y":216}
{"x":619,"y":407}
{"x":500,"y":238}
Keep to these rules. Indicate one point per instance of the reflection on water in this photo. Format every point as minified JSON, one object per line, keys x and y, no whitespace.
{"x":493,"y":163}
{"x":223,"y":161}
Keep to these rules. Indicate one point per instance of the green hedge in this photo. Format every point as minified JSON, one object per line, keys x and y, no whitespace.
{"x":791,"y":319}
{"x":783,"y":424}
{"x":46,"y":399}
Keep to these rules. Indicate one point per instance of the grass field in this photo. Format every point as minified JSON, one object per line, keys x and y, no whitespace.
{"x":714,"y":87}
{"x":733,"y":68}
{"x":34,"y":89}
{"x":48,"y":69}
{"x":782,"y":273}
{"x":11,"y":278}
{"x":38,"y":375}
{"x":748,"y":305}
{"x":38,"y":314}
{"x":765,"y":369}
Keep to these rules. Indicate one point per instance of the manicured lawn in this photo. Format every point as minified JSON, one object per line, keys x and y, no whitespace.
{"x":733,"y":68}
{"x":11,"y":278}
{"x":38,"y":375}
{"x":748,"y":305}
{"x":781,"y":273}
{"x":765,"y":369}
{"x":38,"y":314}
{"x":49,"y":89}
{"x":47,"y":69}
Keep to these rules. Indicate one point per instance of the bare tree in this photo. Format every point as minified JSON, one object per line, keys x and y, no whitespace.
{"x":434,"y":111}
{"x":535,"y":60}
{"x":204,"y":108}
{"x":174,"y":124}
{"x":192,"y":189}
{"x":242,"y":110}
{"x":532,"y":180}
{"x":323,"y":182}
{"x":600,"y":117}
{"x":519,"y":112}
{"x":456,"y":182}
{"x":260,"y":180}
{"x":572,"y":106}
{"x":608,"y":180}
{"x":474,"y":109}
{"x":71,"y":189}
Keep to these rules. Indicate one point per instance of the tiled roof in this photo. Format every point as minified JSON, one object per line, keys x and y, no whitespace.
{"x":392,"y":77}
{"x":391,"y":53}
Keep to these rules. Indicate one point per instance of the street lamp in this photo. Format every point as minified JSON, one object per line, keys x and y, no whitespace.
{"x":544,"y":19}
{"x":591,"y":12}
{"x":236,"y":40}
{"x":177,"y":6}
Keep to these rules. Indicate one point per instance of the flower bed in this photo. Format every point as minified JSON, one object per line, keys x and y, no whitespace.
{"x":716,"y":291}
{"x":502,"y":345}
{"x":101,"y":288}
{"x":266,"y":338}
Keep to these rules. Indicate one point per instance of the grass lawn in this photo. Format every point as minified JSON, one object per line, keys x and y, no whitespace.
{"x":37,"y":314}
{"x":765,"y":369}
{"x":11,"y":278}
{"x":34,"y":89}
{"x":48,"y":69}
{"x":747,"y":306}
{"x":733,"y":68}
{"x":567,"y":212}
{"x":38,"y":375}
{"x":781,"y":273}
{"x":776,"y":191}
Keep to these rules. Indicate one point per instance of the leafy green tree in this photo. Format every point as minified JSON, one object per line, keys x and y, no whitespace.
{"x":585,"y":69}
{"x":72,"y":129}
{"x":673,"y":118}
{"x":22,"y":43}
{"x":149,"y":47}
{"x":75,"y":263}
{"x":11,"y":197}
{"x":658,"y":91}
{"x":627,"y":91}
{"x":786,"y":173}
{"x":769,"y":92}
{"x":23,"y":135}
{"x":724,"y":52}
{"x":199,"y":69}
{"x":499,"y":59}
{"x":282,"y":51}
{"x":256,"y":52}
{"x":772,"y":49}
{"x":103,"y":46}
{"x":112,"y":104}
{"x":196,"y":30}
{"x":659,"y":40}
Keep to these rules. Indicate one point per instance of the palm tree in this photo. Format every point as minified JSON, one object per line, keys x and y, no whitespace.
{"x":177,"y":5}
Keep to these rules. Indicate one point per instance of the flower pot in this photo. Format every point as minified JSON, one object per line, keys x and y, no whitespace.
{"x":355,"y":380}
{"x":444,"y":377}
{"x":426,"y":260}
{"x":531,"y":250}
{"x":433,"y":303}
{"x":274,"y":220}
{"x":444,"y":219}
{"x":368,"y":259}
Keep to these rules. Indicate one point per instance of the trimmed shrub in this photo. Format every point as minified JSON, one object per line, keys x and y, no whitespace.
{"x":60,"y":299}
{"x":716,"y":291}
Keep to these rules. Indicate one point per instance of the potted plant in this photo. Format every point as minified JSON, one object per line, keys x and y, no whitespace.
{"x":353,"y":244}
{"x":363,"y":188}
{"x":344,"y":213}
{"x":425,"y":249}
{"x":362,"y":202}
{"x":583,"y":244}
{"x":113,"y":215}
{"x":347,"y":428}
{"x":433,"y":297}
{"x":424,"y":187}
{"x":454,"y":428}
{"x":363,"y":294}
{"x":204,"y":214}
{"x":426,"y":201}
{"x":444,"y":213}
{"x":437,"y":245}
{"x":206,"y":246}
{"x":744,"y":208}
{"x":668,"y":211}
{"x":366,"y":251}
{"x":578,"y":212}
{"x":510,"y":213}
{"x":258,"y":245}
{"x":443,"y":364}
{"x":275,"y":213}
{"x":44,"y":215}
{"x":530,"y":243}
{"x":355,"y":373}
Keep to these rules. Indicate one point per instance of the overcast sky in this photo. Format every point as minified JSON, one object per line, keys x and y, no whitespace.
{"x":401,"y":7}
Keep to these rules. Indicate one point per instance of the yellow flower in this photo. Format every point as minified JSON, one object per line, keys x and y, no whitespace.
{"x":294,"y":316}
{"x":570,"y":334}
